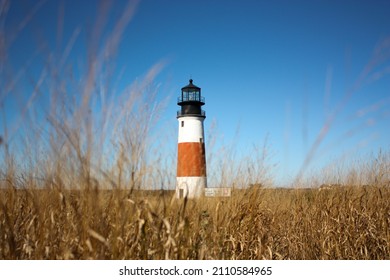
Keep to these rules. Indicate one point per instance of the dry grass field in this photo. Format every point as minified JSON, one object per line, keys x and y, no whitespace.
{"x":53,"y":223}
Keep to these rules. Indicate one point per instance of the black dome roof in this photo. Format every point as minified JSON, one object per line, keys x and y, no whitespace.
{"x":190,"y":87}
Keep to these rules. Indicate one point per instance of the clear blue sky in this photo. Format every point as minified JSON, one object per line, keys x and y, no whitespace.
{"x":272,"y":70}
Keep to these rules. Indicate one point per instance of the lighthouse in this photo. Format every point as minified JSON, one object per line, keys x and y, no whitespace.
{"x":191,"y":178}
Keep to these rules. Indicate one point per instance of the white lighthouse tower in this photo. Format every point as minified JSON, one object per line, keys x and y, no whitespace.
{"x":191,"y":158}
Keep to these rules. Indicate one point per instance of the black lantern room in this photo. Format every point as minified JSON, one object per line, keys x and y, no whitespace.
{"x":191,"y":101}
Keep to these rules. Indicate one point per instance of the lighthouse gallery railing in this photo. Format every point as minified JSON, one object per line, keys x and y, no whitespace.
{"x":202,"y":114}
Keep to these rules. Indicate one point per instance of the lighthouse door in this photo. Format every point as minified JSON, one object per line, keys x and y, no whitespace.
{"x":181,"y":193}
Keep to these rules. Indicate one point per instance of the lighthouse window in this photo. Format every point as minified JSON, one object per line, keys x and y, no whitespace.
{"x":201,"y":140}
{"x":182,"y":123}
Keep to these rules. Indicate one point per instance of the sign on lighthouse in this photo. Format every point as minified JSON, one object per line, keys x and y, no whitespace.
{"x":191,"y":180}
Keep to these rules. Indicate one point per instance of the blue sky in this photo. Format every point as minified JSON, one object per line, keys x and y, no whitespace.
{"x":275,"y":70}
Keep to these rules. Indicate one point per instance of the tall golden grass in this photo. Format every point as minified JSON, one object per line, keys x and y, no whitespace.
{"x":74,"y":172}
{"x":52,"y":223}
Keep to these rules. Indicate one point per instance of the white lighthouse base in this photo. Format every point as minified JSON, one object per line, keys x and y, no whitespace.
{"x":190,"y":187}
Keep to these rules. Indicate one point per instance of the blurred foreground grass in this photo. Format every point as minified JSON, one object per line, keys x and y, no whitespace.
{"x":337,"y":223}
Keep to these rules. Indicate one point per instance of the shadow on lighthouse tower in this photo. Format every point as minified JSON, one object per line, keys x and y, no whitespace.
{"x":191,"y":180}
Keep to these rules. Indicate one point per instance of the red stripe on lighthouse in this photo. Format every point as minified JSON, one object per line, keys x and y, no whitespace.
{"x":191,"y":160}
